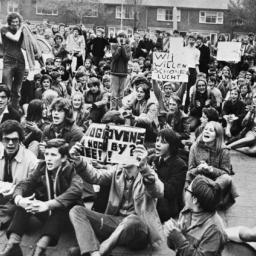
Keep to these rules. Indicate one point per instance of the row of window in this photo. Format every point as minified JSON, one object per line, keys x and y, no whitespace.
{"x":127,"y":12}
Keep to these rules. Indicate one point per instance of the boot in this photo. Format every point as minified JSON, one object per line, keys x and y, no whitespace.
{"x":74,"y":251}
{"x":38,"y":251}
{"x":11,"y":249}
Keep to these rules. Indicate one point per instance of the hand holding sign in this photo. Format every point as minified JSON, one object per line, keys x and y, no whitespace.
{"x":76,"y":150}
{"x":141,"y":155}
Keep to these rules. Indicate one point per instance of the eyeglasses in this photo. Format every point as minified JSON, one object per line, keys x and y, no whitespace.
{"x":189,"y":191}
{"x":7,"y":140}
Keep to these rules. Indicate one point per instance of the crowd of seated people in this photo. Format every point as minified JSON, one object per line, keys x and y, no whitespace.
{"x":184,"y":174}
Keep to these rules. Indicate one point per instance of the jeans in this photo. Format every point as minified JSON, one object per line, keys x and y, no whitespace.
{"x":117,"y":88}
{"x":90,"y":226}
{"x":191,"y":81}
{"x":13,"y":74}
{"x":53,"y":225}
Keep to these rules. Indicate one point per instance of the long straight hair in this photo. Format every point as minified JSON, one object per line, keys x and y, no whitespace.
{"x":81,"y":96}
{"x":219,"y":140}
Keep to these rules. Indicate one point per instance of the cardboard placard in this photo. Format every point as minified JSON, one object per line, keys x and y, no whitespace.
{"x":112,"y":144}
{"x":166,"y":68}
{"x":229,"y":51}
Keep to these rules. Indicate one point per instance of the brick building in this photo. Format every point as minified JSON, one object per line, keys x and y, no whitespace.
{"x":206,"y":17}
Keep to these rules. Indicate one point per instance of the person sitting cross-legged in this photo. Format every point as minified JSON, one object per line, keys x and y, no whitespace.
{"x":16,"y":164}
{"x":130,"y":218}
{"x":48,"y":194}
{"x":199,"y":230}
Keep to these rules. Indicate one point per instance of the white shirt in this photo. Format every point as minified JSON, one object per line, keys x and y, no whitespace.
{"x":192,"y":56}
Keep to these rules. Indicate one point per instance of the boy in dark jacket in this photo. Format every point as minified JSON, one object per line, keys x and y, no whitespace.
{"x":121,"y":54}
{"x":95,"y":100}
{"x":56,"y":188}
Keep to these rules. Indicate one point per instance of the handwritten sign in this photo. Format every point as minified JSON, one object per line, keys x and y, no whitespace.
{"x":165,"y":68}
{"x":113,"y":144}
{"x":229,"y":51}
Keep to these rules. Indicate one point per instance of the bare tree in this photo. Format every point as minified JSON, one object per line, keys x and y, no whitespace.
{"x":243,"y":13}
{"x":79,"y":8}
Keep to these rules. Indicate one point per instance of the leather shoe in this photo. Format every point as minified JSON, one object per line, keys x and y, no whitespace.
{"x":74,"y":251}
{"x":11,"y":249}
{"x":38,"y":251}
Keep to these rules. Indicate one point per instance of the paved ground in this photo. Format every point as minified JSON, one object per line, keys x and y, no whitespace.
{"x":243,"y":212}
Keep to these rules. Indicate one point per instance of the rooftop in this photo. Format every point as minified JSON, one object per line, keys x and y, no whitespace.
{"x":197,"y":4}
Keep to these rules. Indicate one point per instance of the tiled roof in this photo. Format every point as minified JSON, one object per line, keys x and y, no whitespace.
{"x":198,"y":4}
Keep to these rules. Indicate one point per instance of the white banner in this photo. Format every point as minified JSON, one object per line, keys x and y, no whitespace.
{"x":229,"y":51}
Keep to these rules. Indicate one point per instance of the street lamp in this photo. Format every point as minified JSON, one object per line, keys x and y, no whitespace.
{"x":122,"y":10}
{"x":174,"y":15}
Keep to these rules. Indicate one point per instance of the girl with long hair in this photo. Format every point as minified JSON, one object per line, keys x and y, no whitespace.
{"x":79,"y":114}
{"x":201,"y":97}
{"x":33,"y":125}
{"x":210,"y":157}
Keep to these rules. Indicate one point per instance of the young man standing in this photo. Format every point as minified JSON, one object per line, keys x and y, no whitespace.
{"x":204,"y":55}
{"x":13,"y":59}
{"x":97,"y":47}
{"x":130,"y":218}
{"x":121,"y":53}
{"x":193,"y":56}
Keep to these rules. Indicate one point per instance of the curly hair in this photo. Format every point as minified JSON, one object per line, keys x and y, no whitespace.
{"x":13,"y":16}
{"x":10,"y":126}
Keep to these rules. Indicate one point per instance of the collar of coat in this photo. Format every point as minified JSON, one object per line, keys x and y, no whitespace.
{"x":19,"y":156}
{"x":200,"y":217}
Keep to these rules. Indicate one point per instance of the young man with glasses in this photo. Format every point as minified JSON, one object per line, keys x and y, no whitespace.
{"x":199,"y":230}
{"x":16,"y":163}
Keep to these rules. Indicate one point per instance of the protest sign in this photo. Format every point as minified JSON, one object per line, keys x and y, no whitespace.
{"x":165,"y":68}
{"x":177,"y":49}
{"x":113,"y":144}
{"x":229,"y":51}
